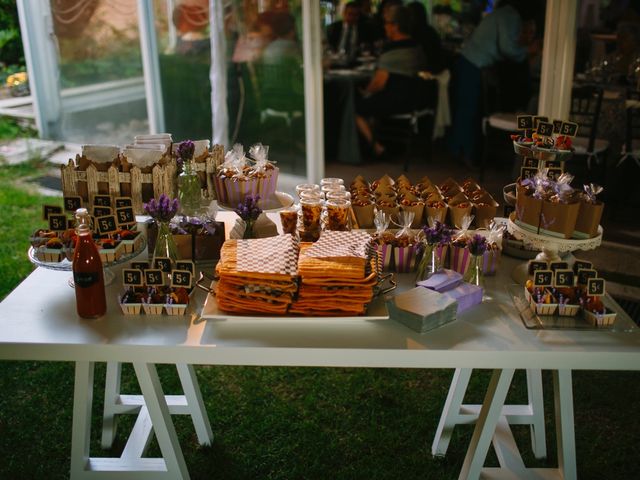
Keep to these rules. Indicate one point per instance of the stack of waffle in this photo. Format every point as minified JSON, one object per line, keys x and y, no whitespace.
{"x":337,"y":275}
{"x":258,"y":275}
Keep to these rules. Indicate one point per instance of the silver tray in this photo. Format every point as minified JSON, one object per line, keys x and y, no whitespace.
{"x":533,"y":321}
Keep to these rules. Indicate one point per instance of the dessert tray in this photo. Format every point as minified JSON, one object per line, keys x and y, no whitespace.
{"x":531,"y":320}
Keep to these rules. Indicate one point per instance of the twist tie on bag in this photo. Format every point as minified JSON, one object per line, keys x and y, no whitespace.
{"x":590,"y":192}
{"x":542,"y":183}
{"x":494,"y":236}
{"x":259,"y":154}
{"x":381,"y":221}
{"x":405,"y":219}
{"x":562,"y":189}
{"x":465,"y":224}
{"x":235,"y":160}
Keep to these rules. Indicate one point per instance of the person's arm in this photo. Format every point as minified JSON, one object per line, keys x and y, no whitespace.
{"x":378,"y":82}
{"x":509,"y":37}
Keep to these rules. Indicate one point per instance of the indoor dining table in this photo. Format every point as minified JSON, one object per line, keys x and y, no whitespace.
{"x":38,"y":322}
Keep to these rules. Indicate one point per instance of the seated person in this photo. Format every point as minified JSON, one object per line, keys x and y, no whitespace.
{"x":348,"y":34}
{"x":395,"y":86}
{"x":427,"y":38}
{"x":191,"y":21}
{"x":285,"y":46}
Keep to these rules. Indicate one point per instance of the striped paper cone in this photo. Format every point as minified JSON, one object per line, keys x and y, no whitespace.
{"x":442,"y":251}
{"x":405,"y":258}
{"x":384,"y":255}
{"x":460,"y":259}
{"x":268,"y":184}
{"x":490,"y":261}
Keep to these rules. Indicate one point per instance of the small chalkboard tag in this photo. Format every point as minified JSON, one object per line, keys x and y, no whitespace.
{"x":162,"y":263}
{"x":101,"y":211}
{"x":552,"y":163}
{"x":554,"y":173}
{"x":102,"y":200}
{"x":585,"y":274}
{"x":581,"y":265}
{"x":595,"y":287}
{"x":535,"y":265}
{"x":558,"y":266}
{"x":186,"y":265}
{"x":132,"y":277}
{"x":525,"y":122}
{"x":526,"y":172}
{"x":57,"y":222}
{"x":107,"y":224}
{"x":543,"y":278}
{"x":140,"y":265}
{"x":545,"y":129}
{"x":557,"y":125}
{"x":530,"y":162}
{"x":153,"y":277}
{"x":181,"y":278}
{"x":49,"y":210}
{"x":72,"y":203}
{"x":125,"y":216}
{"x":563,"y":278}
{"x":123,"y":202}
{"x":537,"y":119}
{"x":569,"y":129}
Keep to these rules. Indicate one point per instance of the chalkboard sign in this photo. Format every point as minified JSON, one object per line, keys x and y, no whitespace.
{"x":595,"y":287}
{"x":57,"y":222}
{"x":102,"y":200}
{"x":140,"y":265}
{"x":132,"y":277}
{"x":557,"y":125}
{"x":186,"y":265}
{"x":569,"y":129}
{"x":558,"y":265}
{"x":162,"y":263}
{"x":537,"y":265}
{"x":123,"y":202}
{"x":543,"y":278}
{"x":153,"y":277}
{"x":107,"y":224}
{"x":538,"y":119}
{"x":525,"y":122}
{"x":554,"y":173}
{"x":585,"y":274}
{"x":545,"y":129}
{"x":49,"y":210}
{"x":564,"y":278}
{"x":125,"y":216}
{"x":580,"y":265}
{"x":528,"y":172}
{"x":72,"y":203}
{"x":181,"y":278}
{"x":101,"y":211}
{"x":529,"y":162}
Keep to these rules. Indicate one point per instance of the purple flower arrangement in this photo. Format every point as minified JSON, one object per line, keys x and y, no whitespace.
{"x":186,"y":150}
{"x":164,"y":209}
{"x":249,"y":210}
{"x":477,"y":245}
{"x":438,"y":234}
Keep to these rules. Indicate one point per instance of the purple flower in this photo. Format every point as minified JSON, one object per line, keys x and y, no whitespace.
{"x":186,"y":150}
{"x":477,"y":245}
{"x":438,"y":234}
{"x":249,"y":209}
{"x":163,"y":209}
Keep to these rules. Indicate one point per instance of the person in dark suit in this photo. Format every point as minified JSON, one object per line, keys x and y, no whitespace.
{"x":347,"y":35}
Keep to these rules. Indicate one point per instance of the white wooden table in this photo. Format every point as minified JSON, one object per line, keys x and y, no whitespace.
{"x":38,"y":322}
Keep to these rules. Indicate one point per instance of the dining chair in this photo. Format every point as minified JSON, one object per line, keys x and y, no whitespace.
{"x":586,"y":105}
{"x":405,"y":127}
{"x":631,"y":146}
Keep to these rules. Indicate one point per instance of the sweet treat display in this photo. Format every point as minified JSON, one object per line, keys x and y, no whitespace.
{"x":154,"y":300}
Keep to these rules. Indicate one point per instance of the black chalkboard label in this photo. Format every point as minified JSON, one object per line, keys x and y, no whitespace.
{"x":525,"y":122}
{"x":569,"y":129}
{"x":528,"y":172}
{"x":181,"y":278}
{"x":558,"y":265}
{"x":554,"y":173}
{"x":581,"y":264}
{"x":186,"y":265}
{"x":132,"y":277}
{"x":538,"y":119}
{"x":140,"y":265}
{"x":102,"y":200}
{"x":57,"y":222}
{"x":153,"y":277}
{"x":72,"y":203}
{"x":557,"y":125}
{"x":123,"y":202}
{"x":564,"y":278}
{"x":543,"y":278}
{"x":101,"y":211}
{"x":125,"y":216}
{"x":107,"y":224}
{"x":545,"y":129}
{"x":595,"y":287}
{"x":535,"y":265}
{"x":585,"y":274}
{"x":162,"y":263}
{"x":50,"y":209}
{"x":529,"y":162}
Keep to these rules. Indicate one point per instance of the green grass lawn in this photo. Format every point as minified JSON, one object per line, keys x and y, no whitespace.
{"x":284,"y":423}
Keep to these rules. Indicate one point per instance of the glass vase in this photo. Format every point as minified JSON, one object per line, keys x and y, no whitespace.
{"x":431,"y":262}
{"x":474,"y":272}
{"x":165,"y":244}
{"x":248,"y":229}
{"x":189,"y":190}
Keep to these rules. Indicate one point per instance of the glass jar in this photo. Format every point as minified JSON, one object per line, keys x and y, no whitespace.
{"x":431,"y":261}
{"x":289,"y":220}
{"x":189,"y":190}
{"x":331,"y":181}
{"x":307,"y":187}
{"x":338,"y":211}
{"x":311,"y":212}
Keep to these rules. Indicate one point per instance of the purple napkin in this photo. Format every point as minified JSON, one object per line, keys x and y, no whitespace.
{"x":466,"y":294}
{"x":441,"y":281}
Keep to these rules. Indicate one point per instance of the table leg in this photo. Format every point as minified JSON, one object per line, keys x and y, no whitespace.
{"x":486,"y":424}
{"x":451,"y":412}
{"x":197,"y":410}
{"x":81,"y":429}
{"x":536,"y":403}
{"x":111,"y":396}
{"x":565,"y":432}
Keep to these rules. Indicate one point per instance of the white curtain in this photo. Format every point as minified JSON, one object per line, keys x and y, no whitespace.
{"x":218,"y":74}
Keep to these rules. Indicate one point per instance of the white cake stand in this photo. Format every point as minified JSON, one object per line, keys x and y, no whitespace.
{"x":550,"y":247}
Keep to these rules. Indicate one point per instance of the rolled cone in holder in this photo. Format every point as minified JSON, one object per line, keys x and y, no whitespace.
{"x":528,"y":209}
{"x":459,"y":208}
{"x":364,"y":211}
{"x":469,"y":185}
{"x":485,"y":209}
{"x":590,"y":212}
{"x":558,"y":219}
{"x":436,"y":210}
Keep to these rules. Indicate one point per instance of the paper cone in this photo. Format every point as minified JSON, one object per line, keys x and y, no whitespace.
{"x":558,"y":219}
{"x":588,"y":220}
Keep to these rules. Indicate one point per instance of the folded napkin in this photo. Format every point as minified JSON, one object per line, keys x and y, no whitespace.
{"x":356,"y":243}
{"x":276,"y":255}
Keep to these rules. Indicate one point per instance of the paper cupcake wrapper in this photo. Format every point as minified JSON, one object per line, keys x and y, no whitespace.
{"x":176,"y":309}
{"x":568,"y":310}
{"x":267,"y":184}
{"x":152,"y":309}
{"x":131,"y":308}
{"x":231,"y":192}
{"x":405,"y":258}
{"x":490,"y":261}
{"x":460,"y":259}
{"x":384,"y":255}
